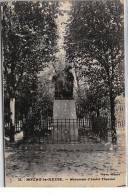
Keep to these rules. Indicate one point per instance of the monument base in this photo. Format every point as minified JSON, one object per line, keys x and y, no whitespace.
{"x":65,"y":121}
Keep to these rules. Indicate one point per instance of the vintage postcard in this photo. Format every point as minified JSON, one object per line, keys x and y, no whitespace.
{"x":64,"y":93}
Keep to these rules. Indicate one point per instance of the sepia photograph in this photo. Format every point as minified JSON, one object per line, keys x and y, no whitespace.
{"x":63,"y":76}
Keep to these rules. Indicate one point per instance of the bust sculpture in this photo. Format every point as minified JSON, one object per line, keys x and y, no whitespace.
{"x":64,"y":84}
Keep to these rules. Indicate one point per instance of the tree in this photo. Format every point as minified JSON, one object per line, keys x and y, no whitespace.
{"x":94,"y":41}
{"x":29,"y":41}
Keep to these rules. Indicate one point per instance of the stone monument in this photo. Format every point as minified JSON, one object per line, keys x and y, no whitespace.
{"x":64,"y":110}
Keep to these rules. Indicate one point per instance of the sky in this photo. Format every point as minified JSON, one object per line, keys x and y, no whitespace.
{"x":61,"y":21}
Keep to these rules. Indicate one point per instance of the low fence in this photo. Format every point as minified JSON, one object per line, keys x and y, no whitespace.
{"x":66,"y":130}
{"x":62,"y":130}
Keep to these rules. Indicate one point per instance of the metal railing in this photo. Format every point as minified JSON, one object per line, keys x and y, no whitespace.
{"x":63,"y":130}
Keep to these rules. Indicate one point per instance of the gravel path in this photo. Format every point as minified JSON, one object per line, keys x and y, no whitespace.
{"x":42,"y":163}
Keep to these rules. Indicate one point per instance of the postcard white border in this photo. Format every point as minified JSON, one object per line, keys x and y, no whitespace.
{"x":126,"y":96}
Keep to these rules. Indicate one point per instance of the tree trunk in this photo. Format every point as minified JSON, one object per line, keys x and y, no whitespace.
{"x":77,"y":81}
{"x":113,"y":128}
{"x":25,"y":133}
{"x":12,"y":118}
{"x":98,"y":113}
{"x":25,"y":127}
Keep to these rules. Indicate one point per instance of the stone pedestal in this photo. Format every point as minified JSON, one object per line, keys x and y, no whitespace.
{"x":65,"y":121}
